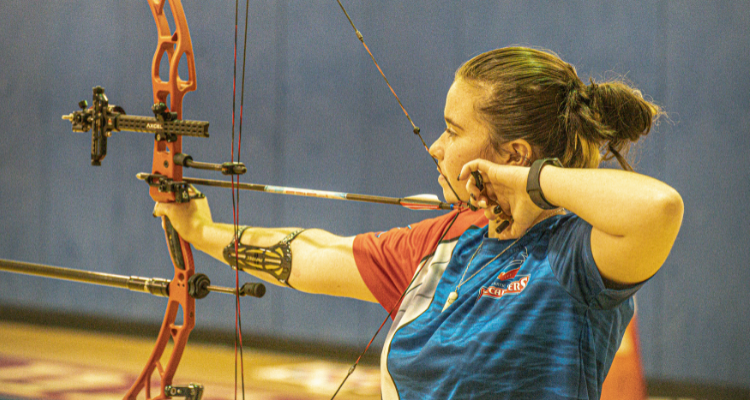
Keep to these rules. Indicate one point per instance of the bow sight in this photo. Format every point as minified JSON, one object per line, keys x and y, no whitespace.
{"x":102,"y":118}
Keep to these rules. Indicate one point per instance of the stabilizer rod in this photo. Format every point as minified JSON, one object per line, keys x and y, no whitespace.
{"x":154,"y":286}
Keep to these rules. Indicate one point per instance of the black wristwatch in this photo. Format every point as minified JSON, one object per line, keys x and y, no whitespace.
{"x":532,"y":182}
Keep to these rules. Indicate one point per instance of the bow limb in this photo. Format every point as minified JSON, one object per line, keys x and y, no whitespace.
{"x":179,"y":299}
{"x":176,"y":45}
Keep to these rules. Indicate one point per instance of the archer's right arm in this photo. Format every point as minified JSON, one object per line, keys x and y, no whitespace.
{"x":322,"y":262}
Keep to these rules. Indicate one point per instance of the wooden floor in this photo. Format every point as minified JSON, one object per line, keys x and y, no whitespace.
{"x":53,"y":363}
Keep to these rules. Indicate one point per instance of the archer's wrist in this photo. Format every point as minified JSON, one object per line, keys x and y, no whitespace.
{"x":206,"y":237}
{"x":547,"y":178}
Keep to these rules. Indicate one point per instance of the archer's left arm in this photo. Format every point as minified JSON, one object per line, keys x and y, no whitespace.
{"x":635,"y":218}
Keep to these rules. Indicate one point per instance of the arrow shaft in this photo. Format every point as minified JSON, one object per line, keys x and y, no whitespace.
{"x":412,"y":203}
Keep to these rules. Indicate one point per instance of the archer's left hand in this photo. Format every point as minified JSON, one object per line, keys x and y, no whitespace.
{"x":189,"y":219}
{"x":504,"y":186}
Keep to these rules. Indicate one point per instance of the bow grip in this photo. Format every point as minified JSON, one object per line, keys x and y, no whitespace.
{"x":173,"y":241}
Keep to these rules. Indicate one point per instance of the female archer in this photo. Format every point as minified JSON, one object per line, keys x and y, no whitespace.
{"x":529,"y":296}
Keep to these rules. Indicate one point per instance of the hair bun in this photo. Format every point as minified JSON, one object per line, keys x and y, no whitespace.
{"x":611,"y":115}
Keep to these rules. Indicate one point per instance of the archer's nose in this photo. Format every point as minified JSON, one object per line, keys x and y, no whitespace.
{"x":436,"y":149}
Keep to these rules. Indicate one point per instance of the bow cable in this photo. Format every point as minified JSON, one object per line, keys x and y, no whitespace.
{"x":236,"y":194}
{"x":393,"y":309}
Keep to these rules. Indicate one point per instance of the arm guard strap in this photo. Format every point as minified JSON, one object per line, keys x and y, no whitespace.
{"x":275,"y":260}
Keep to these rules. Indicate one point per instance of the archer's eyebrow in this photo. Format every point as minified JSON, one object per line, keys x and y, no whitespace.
{"x":450,"y":121}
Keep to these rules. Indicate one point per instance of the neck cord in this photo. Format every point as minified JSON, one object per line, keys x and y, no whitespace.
{"x":454,"y":294}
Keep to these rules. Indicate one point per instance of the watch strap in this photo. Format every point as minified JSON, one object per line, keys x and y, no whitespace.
{"x":532,"y":182}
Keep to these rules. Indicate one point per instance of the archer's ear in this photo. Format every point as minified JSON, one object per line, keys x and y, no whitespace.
{"x":518,"y":152}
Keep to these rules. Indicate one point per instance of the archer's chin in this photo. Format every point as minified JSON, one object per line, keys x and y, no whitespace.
{"x":448,"y":194}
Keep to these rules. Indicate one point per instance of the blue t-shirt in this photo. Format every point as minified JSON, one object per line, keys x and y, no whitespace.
{"x":536,"y":323}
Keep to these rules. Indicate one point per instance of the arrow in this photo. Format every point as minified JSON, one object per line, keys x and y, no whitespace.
{"x":416,"y":202}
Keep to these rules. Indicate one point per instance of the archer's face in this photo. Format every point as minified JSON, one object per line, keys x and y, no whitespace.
{"x":465,"y":138}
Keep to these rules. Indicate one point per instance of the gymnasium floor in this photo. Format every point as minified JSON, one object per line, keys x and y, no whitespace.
{"x":54,"y":363}
{"x":42,"y":363}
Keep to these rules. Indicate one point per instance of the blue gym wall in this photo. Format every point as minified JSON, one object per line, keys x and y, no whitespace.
{"x":318,"y":115}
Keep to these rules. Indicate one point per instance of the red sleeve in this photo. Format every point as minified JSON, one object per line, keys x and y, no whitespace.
{"x":388,"y":260}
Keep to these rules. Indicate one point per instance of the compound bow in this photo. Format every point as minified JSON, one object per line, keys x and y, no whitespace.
{"x":165,"y":182}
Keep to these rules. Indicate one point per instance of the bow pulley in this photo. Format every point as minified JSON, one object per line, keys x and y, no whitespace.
{"x":194,"y":391}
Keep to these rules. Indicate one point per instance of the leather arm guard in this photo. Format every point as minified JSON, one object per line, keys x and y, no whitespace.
{"x":275,"y":260}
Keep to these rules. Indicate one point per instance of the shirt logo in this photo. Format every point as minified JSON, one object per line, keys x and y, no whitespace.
{"x":509,"y":284}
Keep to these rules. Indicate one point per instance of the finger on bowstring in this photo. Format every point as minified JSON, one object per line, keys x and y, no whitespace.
{"x":482,"y":202}
{"x":489,"y":214}
{"x":474,"y":165}
{"x":474,"y":179}
{"x":500,"y":212}
{"x":480,"y":199}
{"x":477,"y":184}
{"x":475,"y":191}
{"x":478,"y":180}
{"x":477,"y":201}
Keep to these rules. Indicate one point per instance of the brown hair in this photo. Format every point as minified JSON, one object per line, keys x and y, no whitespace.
{"x":535,"y":96}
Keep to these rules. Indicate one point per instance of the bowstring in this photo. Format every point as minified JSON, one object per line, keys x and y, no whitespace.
{"x":417,"y":132}
{"x":238,"y":364}
{"x":415,"y":128}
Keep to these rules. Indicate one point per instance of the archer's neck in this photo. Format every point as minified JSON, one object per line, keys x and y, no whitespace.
{"x":505,"y":234}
